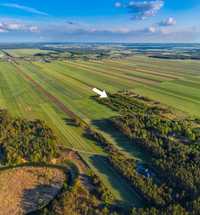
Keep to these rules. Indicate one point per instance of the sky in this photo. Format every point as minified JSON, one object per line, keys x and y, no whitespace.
{"x":128,"y":21}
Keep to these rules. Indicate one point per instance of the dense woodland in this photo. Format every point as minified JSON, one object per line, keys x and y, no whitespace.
{"x":173,"y":144}
{"x":22,"y":140}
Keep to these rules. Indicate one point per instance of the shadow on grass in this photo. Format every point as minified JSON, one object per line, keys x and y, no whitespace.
{"x":122,"y":141}
{"x":123,"y":190}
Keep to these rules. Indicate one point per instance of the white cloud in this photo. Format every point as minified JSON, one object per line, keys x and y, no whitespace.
{"x":141,"y":9}
{"x":24,"y":8}
{"x":16,"y":26}
{"x":66,"y":31}
{"x":152,"y":29}
{"x":34,"y":29}
{"x":118,"y":4}
{"x":168,"y":22}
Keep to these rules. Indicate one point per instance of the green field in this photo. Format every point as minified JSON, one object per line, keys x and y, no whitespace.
{"x":175,"y":83}
{"x":25,"y":52}
{"x":2,"y":54}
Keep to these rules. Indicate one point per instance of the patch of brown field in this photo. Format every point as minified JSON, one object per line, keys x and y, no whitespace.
{"x":26,"y":189}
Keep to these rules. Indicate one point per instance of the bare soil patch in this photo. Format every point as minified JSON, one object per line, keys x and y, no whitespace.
{"x":26,"y":189}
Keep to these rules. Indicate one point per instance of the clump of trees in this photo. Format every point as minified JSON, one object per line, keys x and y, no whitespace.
{"x":125,"y":103}
{"x":24,"y":140}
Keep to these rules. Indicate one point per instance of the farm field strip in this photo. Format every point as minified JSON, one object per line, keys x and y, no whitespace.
{"x":112,"y":73}
{"x":182,"y":103}
{"x":188,"y":92}
{"x":65,"y":83}
{"x":110,"y":79}
{"x":64,"y":72}
{"x":190,"y":83}
{"x":47,"y":81}
{"x":189,"y":68}
{"x":123,"y":83}
{"x":177,"y":73}
{"x":182,"y":93}
{"x":130,"y":72}
{"x":84,"y":107}
{"x":134,"y":75}
{"x":192,"y":64}
{"x":143,"y":69}
{"x":8,"y":82}
{"x":158,"y":68}
{"x":193,"y":78}
{"x":93,"y":78}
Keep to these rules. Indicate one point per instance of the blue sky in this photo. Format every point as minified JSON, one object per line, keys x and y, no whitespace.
{"x":100,"y":21}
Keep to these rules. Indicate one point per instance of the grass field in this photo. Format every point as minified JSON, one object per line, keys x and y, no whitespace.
{"x":176,"y":83}
{"x":25,"y":52}
{"x":2,"y":54}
